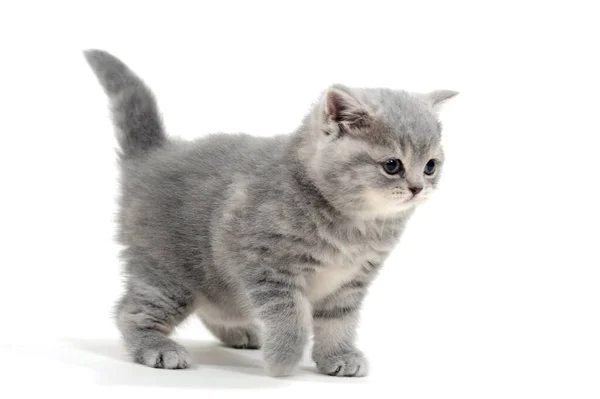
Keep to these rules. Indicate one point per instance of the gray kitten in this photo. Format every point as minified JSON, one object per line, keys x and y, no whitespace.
{"x":267,"y":240}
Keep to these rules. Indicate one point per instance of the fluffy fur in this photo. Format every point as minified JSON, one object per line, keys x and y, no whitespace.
{"x":266,"y":240}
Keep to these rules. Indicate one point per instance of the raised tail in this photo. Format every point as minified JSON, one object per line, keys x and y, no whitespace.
{"x":135,"y":115}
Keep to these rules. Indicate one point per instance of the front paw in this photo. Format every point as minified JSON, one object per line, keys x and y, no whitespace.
{"x":282,"y":360}
{"x":281,"y":364}
{"x":280,"y":369}
{"x":349,"y":364}
{"x":164,"y":355}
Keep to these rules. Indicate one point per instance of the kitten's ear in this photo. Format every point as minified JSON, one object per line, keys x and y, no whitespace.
{"x":437,"y":98}
{"x":343,"y":108}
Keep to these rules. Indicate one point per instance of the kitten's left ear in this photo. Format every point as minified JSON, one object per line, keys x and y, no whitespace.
{"x":437,"y":98}
{"x":341,"y":106}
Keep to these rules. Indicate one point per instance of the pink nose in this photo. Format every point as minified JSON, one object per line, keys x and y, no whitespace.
{"x":415,"y":190}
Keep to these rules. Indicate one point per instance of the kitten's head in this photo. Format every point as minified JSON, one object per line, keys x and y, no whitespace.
{"x":375,"y":152}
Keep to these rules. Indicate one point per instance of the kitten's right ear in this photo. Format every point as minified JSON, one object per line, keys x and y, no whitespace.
{"x":438,"y":98}
{"x":343,"y":108}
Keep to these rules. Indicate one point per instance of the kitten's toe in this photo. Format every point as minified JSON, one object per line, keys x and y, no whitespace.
{"x":240,"y":337}
{"x":350,"y":364}
{"x":166,"y":356}
{"x":244,"y":338}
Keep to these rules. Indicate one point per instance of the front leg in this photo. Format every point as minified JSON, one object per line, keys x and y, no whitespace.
{"x":335,"y":322}
{"x":285,"y":314}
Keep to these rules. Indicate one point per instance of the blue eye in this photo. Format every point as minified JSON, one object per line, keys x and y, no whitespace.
{"x":430,"y":167}
{"x":392,"y":166}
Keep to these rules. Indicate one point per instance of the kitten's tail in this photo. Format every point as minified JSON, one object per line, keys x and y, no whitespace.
{"x":135,"y":114}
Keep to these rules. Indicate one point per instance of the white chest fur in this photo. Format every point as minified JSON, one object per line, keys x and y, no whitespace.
{"x":328,"y":279}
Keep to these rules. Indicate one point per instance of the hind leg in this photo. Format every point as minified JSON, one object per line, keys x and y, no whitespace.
{"x":146,"y":315}
{"x":238,"y":337}
{"x":231,"y":326}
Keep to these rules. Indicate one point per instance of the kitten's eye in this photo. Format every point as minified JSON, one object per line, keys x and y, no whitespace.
{"x":392,"y":166}
{"x":430,"y":167}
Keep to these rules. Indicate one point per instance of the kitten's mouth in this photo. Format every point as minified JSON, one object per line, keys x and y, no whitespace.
{"x":415,"y":199}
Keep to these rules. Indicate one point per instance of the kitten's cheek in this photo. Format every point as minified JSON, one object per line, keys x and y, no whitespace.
{"x":377,"y":201}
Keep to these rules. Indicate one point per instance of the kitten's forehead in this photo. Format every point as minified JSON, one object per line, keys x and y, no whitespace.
{"x":418,"y":145}
{"x":405,"y":122}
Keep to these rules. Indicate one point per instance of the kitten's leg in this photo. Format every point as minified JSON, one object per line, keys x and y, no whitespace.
{"x":238,"y":337}
{"x":335,"y":322}
{"x":146,"y":315}
{"x":284,"y":313}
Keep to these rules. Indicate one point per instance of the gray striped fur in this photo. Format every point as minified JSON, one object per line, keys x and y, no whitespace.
{"x":267,"y":240}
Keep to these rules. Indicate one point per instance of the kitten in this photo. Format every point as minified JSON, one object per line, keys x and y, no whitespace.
{"x":266,"y":240}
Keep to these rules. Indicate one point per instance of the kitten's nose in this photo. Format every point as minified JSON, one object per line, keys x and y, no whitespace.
{"x":415,"y":190}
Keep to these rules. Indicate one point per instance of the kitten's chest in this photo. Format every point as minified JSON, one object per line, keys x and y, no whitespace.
{"x":343,"y":260}
{"x":328,"y":279}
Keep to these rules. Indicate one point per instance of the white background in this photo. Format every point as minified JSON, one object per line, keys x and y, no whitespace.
{"x":494,"y":289}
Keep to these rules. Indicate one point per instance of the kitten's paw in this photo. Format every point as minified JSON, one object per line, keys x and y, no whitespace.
{"x":283,"y":361}
{"x":169,"y":355}
{"x":280,"y":369}
{"x":350,"y":364}
{"x":242,"y":338}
